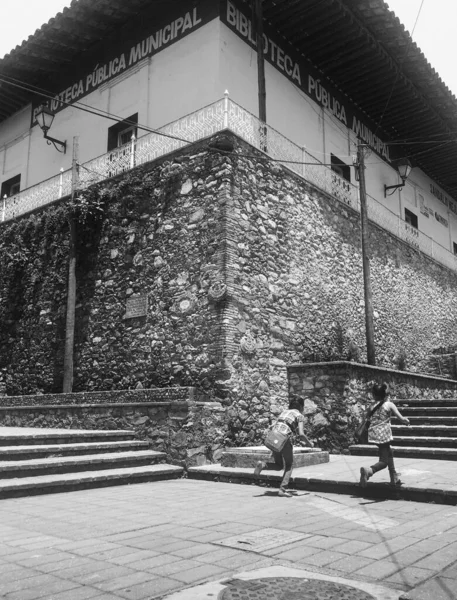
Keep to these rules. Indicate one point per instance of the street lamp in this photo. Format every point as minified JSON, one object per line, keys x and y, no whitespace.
{"x":404,"y":169}
{"x":45,"y":117}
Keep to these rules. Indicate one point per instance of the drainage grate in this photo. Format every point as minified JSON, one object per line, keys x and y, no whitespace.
{"x":290,"y":588}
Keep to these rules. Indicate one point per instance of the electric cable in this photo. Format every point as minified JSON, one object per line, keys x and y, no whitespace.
{"x":111,"y":116}
{"x":84,"y":107}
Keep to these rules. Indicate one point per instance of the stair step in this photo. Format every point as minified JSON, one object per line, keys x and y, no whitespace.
{"x":429,"y":411}
{"x":417,"y":402}
{"x":420,"y":430}
{"x":28,"y":452}
{"x":435,"y":441}
{"x":407,"y":451}
{"x":46,"y":484}
{"x":60,"y":436}
{"x":434,"y":420}
{"x":73,"y":464}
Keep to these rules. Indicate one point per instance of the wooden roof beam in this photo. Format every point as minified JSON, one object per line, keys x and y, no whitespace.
{"x":71,"y":30}
{"x":60,"y":44}
{"x":35,"y":63}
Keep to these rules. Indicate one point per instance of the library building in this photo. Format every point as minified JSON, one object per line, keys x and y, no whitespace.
{"x":203,"y":194}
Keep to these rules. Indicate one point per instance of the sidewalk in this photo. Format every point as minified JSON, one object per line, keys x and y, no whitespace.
{"x":187,"y":540}
{"x":424,"y":480}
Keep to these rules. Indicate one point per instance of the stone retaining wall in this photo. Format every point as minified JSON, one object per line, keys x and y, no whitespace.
{"x":242,"y":267}
{"x":191,"y":433}
{"x":337,"y":394}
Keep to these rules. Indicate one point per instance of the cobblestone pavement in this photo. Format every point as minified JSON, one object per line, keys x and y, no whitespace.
{"x":150,"y":540}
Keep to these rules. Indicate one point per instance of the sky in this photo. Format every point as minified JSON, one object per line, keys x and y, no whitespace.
{"x":434,"y":32}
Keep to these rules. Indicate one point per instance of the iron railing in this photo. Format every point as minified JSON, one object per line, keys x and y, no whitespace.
{"x":203,"y":123}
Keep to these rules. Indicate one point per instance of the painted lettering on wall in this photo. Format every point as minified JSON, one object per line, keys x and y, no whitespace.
{"x":126,"y":59}
{"x":273,"y":53}
{"x":441,"y":219}
{"x":304,"y":76}
{"x":317,"y":91}
{"x":443,"y":199}
{"x":164,"y":36}
{"x":365,"y":134}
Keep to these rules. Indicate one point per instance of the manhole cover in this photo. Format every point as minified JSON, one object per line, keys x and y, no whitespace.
{"x":290,"y":588}
{"x":262,"y":539}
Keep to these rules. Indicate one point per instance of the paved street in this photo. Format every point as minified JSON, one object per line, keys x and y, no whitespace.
{"x":154,"y":539}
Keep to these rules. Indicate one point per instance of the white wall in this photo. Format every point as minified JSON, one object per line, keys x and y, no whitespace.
{"x":183,"y":78}
{"x":303,"y":121}
{"x":14,"y":145}
{"x":289,"y":110}
{"x":172,"y":83}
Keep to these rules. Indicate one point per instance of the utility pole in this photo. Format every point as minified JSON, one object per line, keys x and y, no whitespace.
{"x":258,"y":19}
{"x":369,"y":326}
{"x":71,"y":287}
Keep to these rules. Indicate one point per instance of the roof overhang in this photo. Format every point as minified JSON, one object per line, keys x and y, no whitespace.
{"x":359,"y":46}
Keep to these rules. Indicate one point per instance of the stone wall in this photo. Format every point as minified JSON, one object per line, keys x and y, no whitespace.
{"x":161,"y":238}
{"x":191,"y":432}
{"x":338,"y":393}
{"x":297,"y":292}
{"x":246,"y":269}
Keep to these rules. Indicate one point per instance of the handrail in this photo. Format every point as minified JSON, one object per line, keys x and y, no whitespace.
{"x":203,"y":123}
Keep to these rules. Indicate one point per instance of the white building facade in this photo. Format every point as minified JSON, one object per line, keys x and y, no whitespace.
{"x":160,"y":82}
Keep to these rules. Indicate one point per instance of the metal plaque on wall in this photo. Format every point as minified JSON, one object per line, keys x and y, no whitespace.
{"x":137,"y":306}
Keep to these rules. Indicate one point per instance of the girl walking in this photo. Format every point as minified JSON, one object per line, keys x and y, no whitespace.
{"x":380,"y":433}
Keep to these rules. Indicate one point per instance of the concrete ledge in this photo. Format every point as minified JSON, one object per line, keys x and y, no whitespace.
{"x":320,"y":483}
{"x":150,"y":395}
{"x":247,"y":456}
{"x":421,"y":452}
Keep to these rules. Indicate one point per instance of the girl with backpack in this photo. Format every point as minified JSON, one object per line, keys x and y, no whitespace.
{"x":289,"y":422}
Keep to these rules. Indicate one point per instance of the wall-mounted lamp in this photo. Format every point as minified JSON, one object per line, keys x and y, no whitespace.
{"x":404,"y":169}
{"x":45,"y":117}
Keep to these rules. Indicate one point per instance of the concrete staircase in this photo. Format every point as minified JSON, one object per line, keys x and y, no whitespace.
{"x":432,"y":433}
{"x":42,"y":461}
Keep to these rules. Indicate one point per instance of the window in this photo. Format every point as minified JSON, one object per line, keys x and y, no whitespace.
{"x":121,"y":133}
{"x":455,"y":248}
{"x":10,"y":187}
{"x":339,"y":167}
{"x":411,"y":218}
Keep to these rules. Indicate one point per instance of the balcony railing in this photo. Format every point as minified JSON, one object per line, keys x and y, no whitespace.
{"x":203,"y":123}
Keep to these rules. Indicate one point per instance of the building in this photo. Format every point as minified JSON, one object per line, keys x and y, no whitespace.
{"x":135,"y":81}
{"x":180,"y":57}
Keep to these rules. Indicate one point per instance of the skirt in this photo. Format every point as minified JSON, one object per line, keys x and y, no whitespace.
{"x":380,"y":434}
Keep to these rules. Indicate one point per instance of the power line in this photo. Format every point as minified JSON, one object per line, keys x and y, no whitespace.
{"x":111,"y":116}
{"x":84,"y":107}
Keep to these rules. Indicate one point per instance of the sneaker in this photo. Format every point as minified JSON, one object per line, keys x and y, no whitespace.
{"x":284,"y":493}
{"x":364,"y":475}
{"x":395,"y":478}
{"x":258,"y":469}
